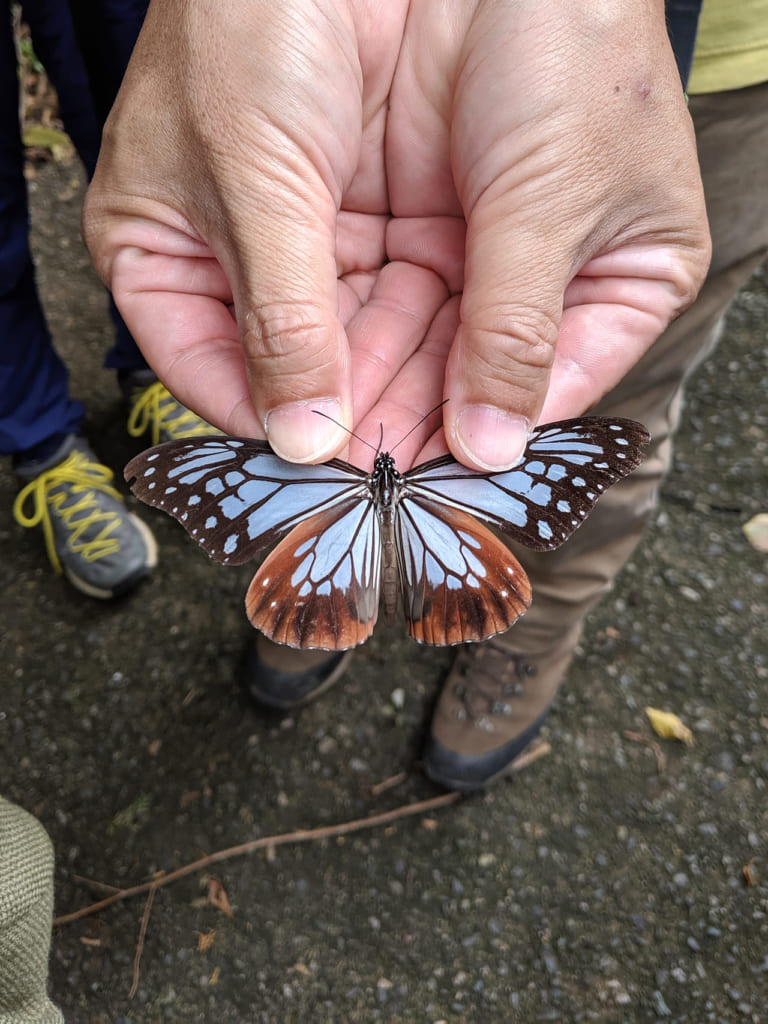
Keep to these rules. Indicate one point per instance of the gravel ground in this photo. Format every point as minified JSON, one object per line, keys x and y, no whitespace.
{"x":592,"y":886}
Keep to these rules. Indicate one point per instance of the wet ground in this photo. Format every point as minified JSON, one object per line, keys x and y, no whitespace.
{"x":591,"y":887}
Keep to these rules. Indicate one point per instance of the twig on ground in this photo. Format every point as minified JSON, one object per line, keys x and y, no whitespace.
{"x":264,"y":842}
{"x":390,"y":783}
{"x":142,"y":938}
{"x":648,"y":741}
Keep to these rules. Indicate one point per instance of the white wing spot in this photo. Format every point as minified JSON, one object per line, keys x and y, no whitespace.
{"x":210,"y":522}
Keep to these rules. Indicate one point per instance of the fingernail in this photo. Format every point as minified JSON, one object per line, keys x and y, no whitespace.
{"x":492,"y":438}
{"x":298,"y":434}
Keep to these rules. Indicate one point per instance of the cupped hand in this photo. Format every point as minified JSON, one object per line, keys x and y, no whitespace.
{"x":363,"y":208}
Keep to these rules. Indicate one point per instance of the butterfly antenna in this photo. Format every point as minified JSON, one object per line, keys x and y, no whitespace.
{"x":418,"y":424}
{"x":350,"y":432}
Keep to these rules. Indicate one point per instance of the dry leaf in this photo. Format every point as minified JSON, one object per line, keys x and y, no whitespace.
{"x":217,"y":897}
{"x":205,"y":940}
{"x":750,"y":875}
{"x":38,"y":136}
{"x":214,"y":978}
{"x":665,"y":724}
{"x":756,"y":531}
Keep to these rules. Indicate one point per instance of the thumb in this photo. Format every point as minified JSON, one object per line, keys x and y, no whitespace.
{"x":498,"y":369}
{"x":294,"y":345}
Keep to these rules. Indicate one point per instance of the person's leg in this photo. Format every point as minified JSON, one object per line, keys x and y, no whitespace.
{"x":36,"y":411}
{"x":498,"y":693}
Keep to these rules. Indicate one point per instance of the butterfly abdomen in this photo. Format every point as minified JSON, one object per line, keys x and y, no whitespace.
{"x":385,"y":483}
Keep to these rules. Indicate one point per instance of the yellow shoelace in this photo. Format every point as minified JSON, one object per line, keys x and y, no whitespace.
{"x":86,"y":478}
{"x":155,"y":407}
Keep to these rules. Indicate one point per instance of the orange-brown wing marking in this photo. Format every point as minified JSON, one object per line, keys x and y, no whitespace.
{"x":320,"y":586}
{"x":460,"y":583}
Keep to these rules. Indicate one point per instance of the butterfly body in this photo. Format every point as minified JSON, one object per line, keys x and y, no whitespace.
{"x":386,"y":485}
{"x":348,"y":540}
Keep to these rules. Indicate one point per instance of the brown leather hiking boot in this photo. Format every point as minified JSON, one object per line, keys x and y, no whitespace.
{"x":493,"y":704}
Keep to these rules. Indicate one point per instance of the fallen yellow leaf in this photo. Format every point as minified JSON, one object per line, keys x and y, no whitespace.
{"x":756,"y":531}
{"x":665,"y":724}
{"x":40,"y":136}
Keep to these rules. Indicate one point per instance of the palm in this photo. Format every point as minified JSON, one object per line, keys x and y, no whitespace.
{"x":389,"y":204}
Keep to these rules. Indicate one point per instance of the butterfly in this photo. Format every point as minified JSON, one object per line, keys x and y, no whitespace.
{"x":344,"y":538}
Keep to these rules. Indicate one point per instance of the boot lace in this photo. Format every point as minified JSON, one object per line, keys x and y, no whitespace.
{"x":491,"y":677}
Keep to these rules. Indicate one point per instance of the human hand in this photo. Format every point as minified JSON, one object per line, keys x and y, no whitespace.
{"x":268,"y":162}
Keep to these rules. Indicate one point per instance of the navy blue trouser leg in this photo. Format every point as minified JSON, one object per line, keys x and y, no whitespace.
{"x":36,"y":411}
{"x":35,"y":406}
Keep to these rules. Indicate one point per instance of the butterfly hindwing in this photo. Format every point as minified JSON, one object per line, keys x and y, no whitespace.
{"x":542,"y":500}
{"x":320,"y":586}
{"x":233,"y":495}
{"x":459,"y":582}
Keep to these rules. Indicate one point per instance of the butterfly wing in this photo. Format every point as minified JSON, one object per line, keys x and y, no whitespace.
{"x":233,"y":495}
{"x":542,"y":500}
{"x":320,"y":586}
{"x":459,"y":582}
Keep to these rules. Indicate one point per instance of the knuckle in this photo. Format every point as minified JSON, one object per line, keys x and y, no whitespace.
{"x":291,"y":343}
{"x":506,"y":342}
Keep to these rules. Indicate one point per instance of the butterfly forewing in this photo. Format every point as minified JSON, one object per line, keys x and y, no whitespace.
{"x":233,"y":495}
{"x":543,"y":499}
{"x":459,"y":582}
{"x":320,"y":586}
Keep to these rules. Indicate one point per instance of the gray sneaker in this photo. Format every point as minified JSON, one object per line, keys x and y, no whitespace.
{"x":153,"y":409}
{"x":101,"y":548}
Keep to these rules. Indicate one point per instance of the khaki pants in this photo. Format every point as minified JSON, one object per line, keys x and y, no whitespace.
{"x":732,"y":136}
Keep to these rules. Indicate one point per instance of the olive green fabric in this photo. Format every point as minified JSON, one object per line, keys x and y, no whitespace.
{"x":26,"y":912}
{"x":731,"y":46}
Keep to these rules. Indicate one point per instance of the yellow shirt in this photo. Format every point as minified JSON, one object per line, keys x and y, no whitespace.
{"x":731,"y":46}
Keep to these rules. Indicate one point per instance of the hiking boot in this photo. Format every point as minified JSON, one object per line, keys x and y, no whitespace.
{"x":283,"y":678}
{"x":91,"y":538}
{"x":493,"y":703}
{"x":153,"y":408}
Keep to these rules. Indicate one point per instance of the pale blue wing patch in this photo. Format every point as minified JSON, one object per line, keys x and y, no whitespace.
{"x":234,"y":496}
{"x":542,"y":500}
{"x":320,"y":586}
{"x":459,"y":582}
